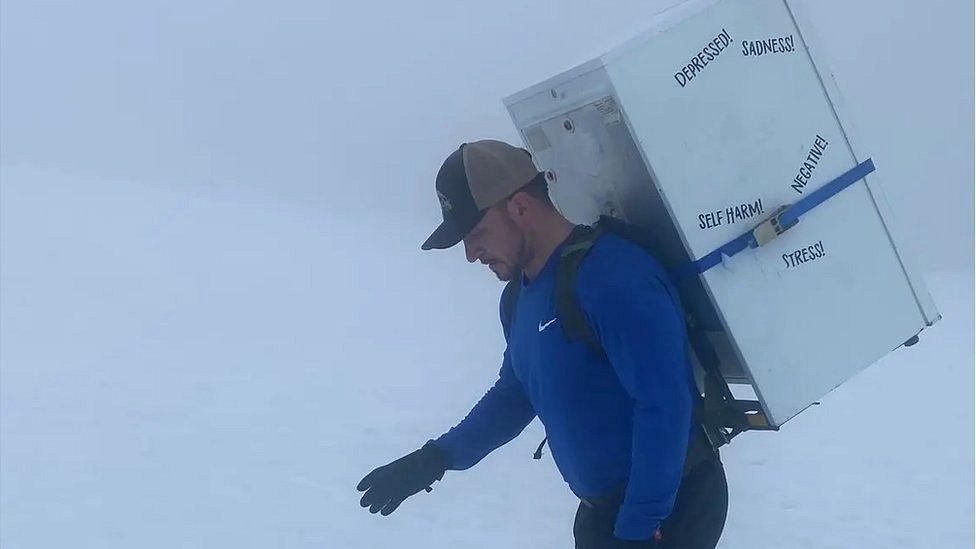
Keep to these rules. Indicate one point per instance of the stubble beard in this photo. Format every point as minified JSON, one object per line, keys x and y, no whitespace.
{"x":521,"y":259}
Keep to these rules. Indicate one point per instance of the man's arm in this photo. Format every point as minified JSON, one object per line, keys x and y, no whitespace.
{"x":497,"y":418}
{"x":640,"y":327}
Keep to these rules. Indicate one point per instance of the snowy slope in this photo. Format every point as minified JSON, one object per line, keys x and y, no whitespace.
{"x":185,"y":371}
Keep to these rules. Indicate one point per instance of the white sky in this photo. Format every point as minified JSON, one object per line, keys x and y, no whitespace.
{"x":216,"y":317}
{"x":351,"y":106}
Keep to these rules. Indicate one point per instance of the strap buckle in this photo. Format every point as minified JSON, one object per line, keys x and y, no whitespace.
{"x":771,"y":227}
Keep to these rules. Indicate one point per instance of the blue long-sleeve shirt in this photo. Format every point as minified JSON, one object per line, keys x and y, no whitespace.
{"x":616,"y":417}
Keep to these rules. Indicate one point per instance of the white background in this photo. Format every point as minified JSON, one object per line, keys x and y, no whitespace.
{"x":216,"y":318}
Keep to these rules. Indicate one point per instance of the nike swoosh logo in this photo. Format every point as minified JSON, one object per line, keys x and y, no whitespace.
{"x":546,"y":325}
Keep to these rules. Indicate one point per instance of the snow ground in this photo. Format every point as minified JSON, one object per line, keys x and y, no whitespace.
{"x":184,"y":371}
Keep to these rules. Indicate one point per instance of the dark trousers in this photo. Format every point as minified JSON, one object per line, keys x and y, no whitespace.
{"x":696,"y":521}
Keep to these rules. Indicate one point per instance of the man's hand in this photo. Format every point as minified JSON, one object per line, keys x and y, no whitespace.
{"x":387,"y":486}
{"x":594,"y":529}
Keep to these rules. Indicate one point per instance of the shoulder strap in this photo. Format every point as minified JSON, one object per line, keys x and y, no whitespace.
{"x":573,"y":322}
{"x":568,"y":307}
{"x":579,"y":243}
{"x":509,"y":299}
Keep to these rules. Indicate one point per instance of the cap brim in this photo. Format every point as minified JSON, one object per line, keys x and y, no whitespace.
{"x":443,"y":237}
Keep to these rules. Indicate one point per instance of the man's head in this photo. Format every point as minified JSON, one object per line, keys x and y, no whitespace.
{"x":494,"y":199}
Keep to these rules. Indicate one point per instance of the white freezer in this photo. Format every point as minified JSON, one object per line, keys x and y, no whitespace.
{"x":698,"y":129}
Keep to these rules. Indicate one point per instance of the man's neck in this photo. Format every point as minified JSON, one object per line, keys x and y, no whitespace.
{"x":552,"y":232}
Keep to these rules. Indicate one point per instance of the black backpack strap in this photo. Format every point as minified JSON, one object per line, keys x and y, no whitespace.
{"x":568,"y":307}
{"x":720,"y":413}
{"x":574,"y":324}
{"x":509,"y":299}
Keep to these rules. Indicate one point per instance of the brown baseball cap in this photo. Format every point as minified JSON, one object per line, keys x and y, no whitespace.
{"x":474,"y":178}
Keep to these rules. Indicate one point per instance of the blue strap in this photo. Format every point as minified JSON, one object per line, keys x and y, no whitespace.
{"x":819,"y":196}
{"x":787,"y":218}
{"x":714,"y":257}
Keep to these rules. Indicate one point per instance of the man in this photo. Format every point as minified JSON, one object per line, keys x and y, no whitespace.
{"x":618,"y":418}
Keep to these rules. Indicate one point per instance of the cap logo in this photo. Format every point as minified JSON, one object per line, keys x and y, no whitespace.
{"x":445,"y":202}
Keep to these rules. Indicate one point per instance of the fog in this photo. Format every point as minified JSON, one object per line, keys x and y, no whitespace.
{"x":216,"y":316}
{"x":350,"y":107}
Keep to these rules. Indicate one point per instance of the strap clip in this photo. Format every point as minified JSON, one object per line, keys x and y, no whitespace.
{"x":771,"y":227}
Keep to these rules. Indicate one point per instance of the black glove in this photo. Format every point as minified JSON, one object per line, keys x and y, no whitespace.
{"x":387,"y":486}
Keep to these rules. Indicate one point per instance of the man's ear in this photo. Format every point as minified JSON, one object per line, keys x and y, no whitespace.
{"x":518,"y":205}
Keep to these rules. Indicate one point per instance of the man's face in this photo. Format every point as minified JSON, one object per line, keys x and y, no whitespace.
{"x":496,"y":241}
